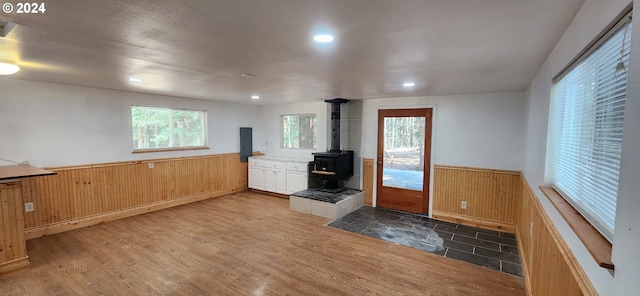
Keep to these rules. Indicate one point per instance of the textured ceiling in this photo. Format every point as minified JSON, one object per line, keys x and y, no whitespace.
{"x":199,"y":49}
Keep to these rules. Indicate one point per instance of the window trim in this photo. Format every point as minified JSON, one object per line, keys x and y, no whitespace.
{"x":315,"y":128}
{"x":598,"y":246}
{"x":167,"y":149}
{"x":149,"y":150}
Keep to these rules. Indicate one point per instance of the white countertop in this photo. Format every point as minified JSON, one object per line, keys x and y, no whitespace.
{"x":282,"y":158}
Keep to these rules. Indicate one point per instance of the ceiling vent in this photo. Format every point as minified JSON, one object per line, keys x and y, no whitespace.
{"x":5,"y":28}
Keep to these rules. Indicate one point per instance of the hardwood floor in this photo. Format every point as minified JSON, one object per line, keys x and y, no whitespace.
{"x":241,"y":244}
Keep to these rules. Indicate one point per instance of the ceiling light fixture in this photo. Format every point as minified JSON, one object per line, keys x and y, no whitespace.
{"x":8,"y":69}
{"x":135,"y":79}
{"x":247,"y":75}
{"x":408,"y":84}
{"x":255,"y":97}
{"x":323,"y":38}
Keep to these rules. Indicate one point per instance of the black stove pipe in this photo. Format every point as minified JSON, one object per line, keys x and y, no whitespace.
{"x":335,"y":123}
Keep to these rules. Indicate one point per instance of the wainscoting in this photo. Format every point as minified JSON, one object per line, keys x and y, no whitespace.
{"x":491,"y":196}
{"x":549,"y":266}
{"x":80,"y":196}
{"x":13,"y":250}
{"x":367,"y":180}
{"x":86,"y":195}
{"x":504,"y":200}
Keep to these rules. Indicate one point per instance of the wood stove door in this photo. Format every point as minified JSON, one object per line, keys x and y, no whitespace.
{"x":403,"y":162}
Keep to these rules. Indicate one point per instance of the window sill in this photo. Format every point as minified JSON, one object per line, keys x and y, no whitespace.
{"x":599,"y":247}
{"x":169,"y":149}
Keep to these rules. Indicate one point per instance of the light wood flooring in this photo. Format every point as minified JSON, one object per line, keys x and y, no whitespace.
{"x":241,"y":244}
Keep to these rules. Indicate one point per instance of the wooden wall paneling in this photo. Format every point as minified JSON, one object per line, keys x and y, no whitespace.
{"x":368,"y":180}
{"x":229,"y":172}
{"x":523,"y":232}
{"x":78,"y":193}
{"x":5,"y":230}
{"x":211,"y":174}
{"x":182,"y":183}
{"x":549,"y":266}
{"x":13,"y":248}
{"x":490,"y":195}
{"x":550,"y":272}
{"x":90,"y":192}
{"x":160,"y":186}
{"x":39,"y":207}
{"x":28,"y":219}
{"x":20,"y":246}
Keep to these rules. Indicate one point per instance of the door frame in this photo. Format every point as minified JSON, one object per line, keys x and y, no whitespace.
{"x":434,"y":121}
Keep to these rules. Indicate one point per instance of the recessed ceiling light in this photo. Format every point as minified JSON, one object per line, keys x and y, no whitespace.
{"x":323,"y":38}
{"x":408,"y":84}
{"x":247,"y":75}
{"x":255,"y":97}
{"x":135,"y":79}
{"x":8,"y":69}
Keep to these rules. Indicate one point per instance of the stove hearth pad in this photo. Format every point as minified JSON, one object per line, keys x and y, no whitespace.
{"x":326,"y":204}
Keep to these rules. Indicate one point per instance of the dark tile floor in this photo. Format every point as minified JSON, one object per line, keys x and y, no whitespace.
{"x":488,"y":248}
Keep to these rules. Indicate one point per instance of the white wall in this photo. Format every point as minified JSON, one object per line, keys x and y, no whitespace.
{"x":626,"y":256}
{"x":592,"y":18}
{"x":476,"y":130}
{"x":350,"y":131}
{"x":351,"y":138}
{"x":268,"y":140}
{"x":59,"y":125}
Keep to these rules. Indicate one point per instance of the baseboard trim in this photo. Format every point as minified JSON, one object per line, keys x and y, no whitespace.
{"x":474,"y":222}
{"x":14,"y":265}
{"x":35,"y":232}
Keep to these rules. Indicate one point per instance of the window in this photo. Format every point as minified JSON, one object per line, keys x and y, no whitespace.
{"x":298,"y":131}
{"x":167,"y":129}
{"x":585,"y":128}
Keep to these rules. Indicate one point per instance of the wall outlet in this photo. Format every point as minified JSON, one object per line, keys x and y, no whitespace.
{"x":151,"y":165}
{"x":28,"y":207}
{"x":463,"y":205}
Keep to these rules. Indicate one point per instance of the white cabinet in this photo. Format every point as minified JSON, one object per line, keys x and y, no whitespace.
{"x":256,"y":174}
{"x":275,"y":176}
{"x":297,"y":178}
{"x":276,"y":181}
{"x":279,"y":176}
{"x":257,"y":178}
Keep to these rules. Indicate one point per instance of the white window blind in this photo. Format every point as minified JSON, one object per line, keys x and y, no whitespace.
{"x":585,"y":128}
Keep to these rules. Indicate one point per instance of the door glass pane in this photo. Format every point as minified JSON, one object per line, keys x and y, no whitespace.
{"x":403,"y":165}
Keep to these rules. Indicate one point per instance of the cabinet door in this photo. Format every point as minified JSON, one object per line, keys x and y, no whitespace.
{"x":281,"y":182}
{"x":270,"y":180}
{"x":296,"y":181}
{"x":256,"y":178}
{"x":276,"y":181}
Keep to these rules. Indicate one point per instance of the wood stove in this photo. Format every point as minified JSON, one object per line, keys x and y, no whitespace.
{"x":329,"y":169}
